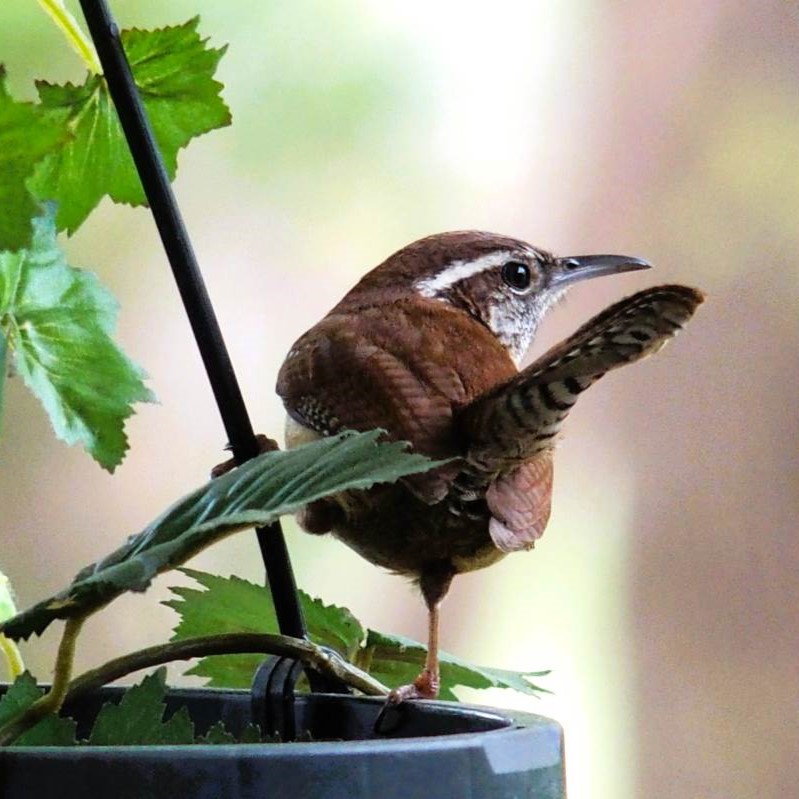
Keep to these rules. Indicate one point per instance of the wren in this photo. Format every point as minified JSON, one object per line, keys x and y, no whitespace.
{"x":427,"y":346}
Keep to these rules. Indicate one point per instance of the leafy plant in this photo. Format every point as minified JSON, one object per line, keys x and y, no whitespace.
{"x":230,"y":604}
{"x":173,"y":69}
{"x":138,"y":719}
{"x":56,"y":321}
{"x":58,"y":158}
{"x":69,"y":151}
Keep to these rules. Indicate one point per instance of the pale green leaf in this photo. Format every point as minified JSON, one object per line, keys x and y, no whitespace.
{"x":9,"y":651}
{"x":57,"y":322}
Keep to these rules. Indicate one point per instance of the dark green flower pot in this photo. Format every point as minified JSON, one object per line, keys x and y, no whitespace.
{"x":433,"y":750}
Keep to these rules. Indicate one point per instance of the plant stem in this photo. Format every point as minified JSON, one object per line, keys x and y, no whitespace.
{"x":51,"y":702}
{"x":229,"y":644}
{"x":69,"y":27}
{"x":13,"y":657}
{"x":363,"y":657}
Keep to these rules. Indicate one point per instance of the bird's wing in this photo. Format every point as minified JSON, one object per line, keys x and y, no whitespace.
{"x":520,"y":418}
{"x":338,"y":377}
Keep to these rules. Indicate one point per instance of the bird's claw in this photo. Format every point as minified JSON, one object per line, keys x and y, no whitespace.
{"x":425,"y":686}
{"x":264,"y":445}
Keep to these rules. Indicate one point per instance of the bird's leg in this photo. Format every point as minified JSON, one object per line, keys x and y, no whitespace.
{"x":429,"y":681}
{"x":434,"y":585}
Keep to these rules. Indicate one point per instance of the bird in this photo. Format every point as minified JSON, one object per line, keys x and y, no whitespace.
{"x":427,"y":347}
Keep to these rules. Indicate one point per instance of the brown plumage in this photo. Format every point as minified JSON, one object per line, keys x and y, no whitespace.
{"x":425,"y":346}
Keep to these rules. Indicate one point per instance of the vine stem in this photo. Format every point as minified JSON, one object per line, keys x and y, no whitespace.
{"x":228,"y":644}
{"x":69,"y":27}
{"x":8,"y":649}
{"x":13,"y":657}
{"x":52,"y":701}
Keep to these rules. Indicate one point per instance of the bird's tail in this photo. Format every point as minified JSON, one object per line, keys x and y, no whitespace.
{"x":516,"y":420}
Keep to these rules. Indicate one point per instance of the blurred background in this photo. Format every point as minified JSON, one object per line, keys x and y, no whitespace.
{"x":664,"y":594}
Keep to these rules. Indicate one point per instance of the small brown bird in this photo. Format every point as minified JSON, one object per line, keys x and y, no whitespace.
{"x":427,"y":347}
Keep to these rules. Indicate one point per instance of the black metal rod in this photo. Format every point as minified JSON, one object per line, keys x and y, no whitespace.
{"x":204,"y":324}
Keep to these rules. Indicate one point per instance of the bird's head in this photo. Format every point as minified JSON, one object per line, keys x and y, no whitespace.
{"x":506,"y":284}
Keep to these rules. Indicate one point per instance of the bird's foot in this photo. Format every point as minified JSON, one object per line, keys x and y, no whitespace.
{"x":264,"y":445}
{"x":425,"y":686}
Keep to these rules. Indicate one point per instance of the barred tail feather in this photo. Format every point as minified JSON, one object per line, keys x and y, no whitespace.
{"x":521,"y":417}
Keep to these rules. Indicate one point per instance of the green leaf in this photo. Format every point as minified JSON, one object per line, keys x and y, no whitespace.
{"x":226,"y":605}
{"x":332,"y":626}
{"x":520,"y":681}
{"x":173,"y":69}
{"x":233,"y":605}
{"x":252,"y":734}
{"x":57,"y":322}
{"x":8,"y":607}
{"x":256,"y":493}
{"x":26,"y":136}
{"x":20,"y":696}
{"x":139,"y":718}
{"x":227,"y":671}
{"x":50,"y":731}
{"x":218,"y":735}
{"x":396,"y":660}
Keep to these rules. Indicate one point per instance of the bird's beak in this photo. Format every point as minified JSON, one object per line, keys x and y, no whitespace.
{"x":581,"y":267}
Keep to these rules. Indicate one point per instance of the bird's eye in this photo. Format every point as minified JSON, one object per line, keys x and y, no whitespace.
{"x":517,"y":275}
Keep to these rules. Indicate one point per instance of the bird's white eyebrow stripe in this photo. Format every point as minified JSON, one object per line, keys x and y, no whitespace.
{"x":459,"y":270}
